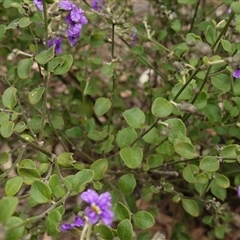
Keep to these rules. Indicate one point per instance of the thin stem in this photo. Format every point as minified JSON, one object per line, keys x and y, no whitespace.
{"x":46,"y":78}
{"x":113,"y":77}
{"x":33,"y":145}
{"x":194,"y":16}
{"x":42,"y":215}
{"x":200,"y":90}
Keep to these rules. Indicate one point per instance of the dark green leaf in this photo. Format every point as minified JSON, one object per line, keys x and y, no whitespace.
{"x":24,"y":67}
{"x":40,"y":192}
{"x":127,"y":183}
{"x":143,"y":219}
{"x":132,"y":157}
{"x":191,"y":207}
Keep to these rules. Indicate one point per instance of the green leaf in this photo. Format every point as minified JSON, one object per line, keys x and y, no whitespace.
{"x":29,"y":175}
{"x":176,"y":25}
{"x":7,"y":129}
{"x":222,"y":181}
{"x":2,"y":31}
{"x":212,"y":112}
{"x":97,"y":40}
{"x":65,"y":66}
{"x":107,"y":69}
{"x":40,"y":192}
{"x":185,"y":149}
{"x":202,"y":178}
{"x":35,"y":122}
{"x":235,"y":6}
{"x":134,"y":117}
{"x":122,"y":212}
{"x":151,"y":136}
{"x":191,"y":207}
{"x":57,"y":122}
{"x":220,"y":193}
{"x":99,"y":167}
{"x":143,"y":219}
{"x":20,"y":127}
{"x":186,"y":1}
{"x":189,"y":173}
{"x":103,"y":231}
{"x":155,"y":160}
{"x":3,"y":117}
{"x":52,"y":221}
{"x":209,"y":164}
{"x":229,"y":153}
{"x":81,"y":179}
{"x":4,"y":157}
{"x":24,"y":67}
{"x":15,"y":233}
{"x":9,"y":99}
{"x":13,"y":185}
{"x":102,"y":105}
{"x":127,"y":183}
{"x":161,"y":107}
{"x":201,"y":100}
{"x":236,"y":87}
{"x":54,"y":63}
{"x":177,"y":129}
{"x":211,"y":34}
{"x":125,"y":137}
{"x":132,"y":157}
{"x":45,"y":56}
{"x":222,"y":82}
{"x":125,"y":230}
{"x":138,"y":50}
{"x":227,"y":46}
{"x":35,"y":95}
{"x":97,"y":135}
{"x":186,"y":94}
{"x":24,"y":22}
{"x":65,"y":159}
{"x":56,"y":186}
{"x":7,"y":208}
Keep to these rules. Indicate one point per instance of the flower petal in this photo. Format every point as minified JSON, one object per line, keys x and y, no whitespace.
{"x":89,"y":196}
{"x":107,"y":217}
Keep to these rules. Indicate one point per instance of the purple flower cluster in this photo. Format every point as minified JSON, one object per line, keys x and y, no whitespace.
{"x":99,"y":206}
{"x":238,"y":191}
{"x":76,"y":19}
{"x":99,"y":209}
{"x":97,"y":5}
{"x":57,"y":43}
{"x":236,"y":73}
{"x":78,"y":222}
{"x":39,"y":4}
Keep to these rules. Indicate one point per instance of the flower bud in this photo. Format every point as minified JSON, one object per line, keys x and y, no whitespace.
{"x":178,"y":66}
{"x":187,"y":107}
{"x":190,"y":43}
{"x":203,"y":48}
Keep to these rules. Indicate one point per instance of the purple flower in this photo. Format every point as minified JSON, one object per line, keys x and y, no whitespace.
{"x":66,"y":5}
{"x":97,"y":5}
{"x":134,"y":36}
{"x":76,"y":19}
{"x":236,"y":74}
{"x":39,"y":4}
{"x":78,"y":222}
{"x":99,"y":206}
{"x":238,"y":190}
{"x":57,"y":43}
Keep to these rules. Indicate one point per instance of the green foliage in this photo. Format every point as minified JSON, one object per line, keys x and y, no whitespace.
{"x":147,"y":111}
